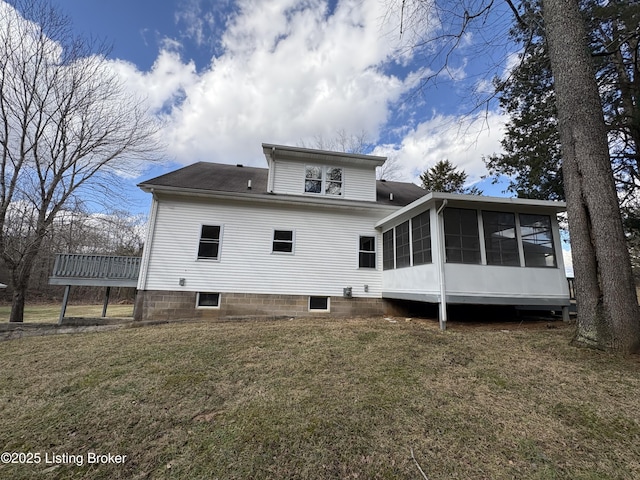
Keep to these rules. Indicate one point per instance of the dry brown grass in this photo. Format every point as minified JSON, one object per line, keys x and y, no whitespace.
{"x":315,"y":399}
{"x":51,"y":313}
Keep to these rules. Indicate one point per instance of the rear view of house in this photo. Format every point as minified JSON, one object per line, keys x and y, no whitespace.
{"x":316,"y":234}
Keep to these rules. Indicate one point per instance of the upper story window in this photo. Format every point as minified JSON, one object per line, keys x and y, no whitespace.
{"x":537,"y":240}
{"x":209,"y":246}
{"x":323,"y":180}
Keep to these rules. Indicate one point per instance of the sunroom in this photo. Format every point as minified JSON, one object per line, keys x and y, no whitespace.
{"x":468,"y":249}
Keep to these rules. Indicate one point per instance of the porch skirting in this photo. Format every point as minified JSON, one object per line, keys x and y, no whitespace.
{"x":168,"y":305}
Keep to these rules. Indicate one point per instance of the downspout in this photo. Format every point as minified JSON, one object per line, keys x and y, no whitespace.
{"x":272,"y":170}
{"x":441,"y":278}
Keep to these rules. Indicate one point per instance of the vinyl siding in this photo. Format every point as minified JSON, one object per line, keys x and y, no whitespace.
{"x":325,"y":258}
{"x":357,"y":183}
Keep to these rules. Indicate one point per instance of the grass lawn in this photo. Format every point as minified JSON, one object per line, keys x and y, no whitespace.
{"x":320,"y":399}
{"x":51,"y":313}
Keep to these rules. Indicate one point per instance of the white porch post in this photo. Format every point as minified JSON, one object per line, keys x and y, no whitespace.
{"x":441,"y":258}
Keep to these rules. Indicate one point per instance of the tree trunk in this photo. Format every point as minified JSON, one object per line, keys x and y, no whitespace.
{"x":607,"y":305}
{"x":17,"y":304}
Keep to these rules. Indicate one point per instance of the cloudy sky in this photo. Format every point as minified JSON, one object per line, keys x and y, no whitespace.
{"x":227,"y":75}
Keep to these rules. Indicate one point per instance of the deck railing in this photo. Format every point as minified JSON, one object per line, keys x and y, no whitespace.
{"x":96,"y":266}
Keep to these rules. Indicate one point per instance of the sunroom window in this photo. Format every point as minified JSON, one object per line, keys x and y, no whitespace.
{"x":537,"y":240}
{"x":500,"y":238}
{"x":461,"y":239}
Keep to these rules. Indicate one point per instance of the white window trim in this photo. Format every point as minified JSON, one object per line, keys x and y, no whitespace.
{"x":208,"y":307}
{"x":293,"y":241}
{"x":375,"y":252}
{"x":328,"y":309}
{"x":323,"y":184}
{"x":207,"y":259}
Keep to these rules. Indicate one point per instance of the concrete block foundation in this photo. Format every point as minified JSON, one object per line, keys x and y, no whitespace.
{"x":166,"y":305}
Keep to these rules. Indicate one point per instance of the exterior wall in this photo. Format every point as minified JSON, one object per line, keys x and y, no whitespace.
{"x":514,"y":284}
{"x":358,"y":183}
{"x":325,"y":258}
{"x":173,"y":305}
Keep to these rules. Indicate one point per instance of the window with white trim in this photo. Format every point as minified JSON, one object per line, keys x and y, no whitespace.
{"x":319,"y":304}
{"x":208,"y":300}
{"x":209,"y":246}
{"x":283,"y":241}
{"x":323,"y":180}
{"x":367,"y":252}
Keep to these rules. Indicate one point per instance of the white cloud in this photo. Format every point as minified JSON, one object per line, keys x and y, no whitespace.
{"x":463,"y":141}
{"x":289,"y":70}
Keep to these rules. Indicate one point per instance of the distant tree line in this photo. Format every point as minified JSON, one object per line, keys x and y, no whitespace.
{"x":77,"y":231}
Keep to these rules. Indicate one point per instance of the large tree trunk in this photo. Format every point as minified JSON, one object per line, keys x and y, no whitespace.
{"x":607,"y":305}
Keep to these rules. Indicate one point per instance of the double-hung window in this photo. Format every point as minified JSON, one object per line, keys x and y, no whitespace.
{"x":367,"y":252}
{"x":209,"y":246}
{"x":282,"y":241}
{"x":323,"y":180}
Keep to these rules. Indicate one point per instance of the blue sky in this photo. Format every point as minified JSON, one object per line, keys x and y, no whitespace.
{"x":225,"y":76}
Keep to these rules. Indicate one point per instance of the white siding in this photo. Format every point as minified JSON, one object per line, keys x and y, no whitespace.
{"x":325,"y":259}
{"x":357,"y":183}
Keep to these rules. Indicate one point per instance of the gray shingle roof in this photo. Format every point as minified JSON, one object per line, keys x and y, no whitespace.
{"x":217,"y":177}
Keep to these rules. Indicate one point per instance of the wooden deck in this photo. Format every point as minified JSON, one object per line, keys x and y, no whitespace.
{"x":95,"y":270}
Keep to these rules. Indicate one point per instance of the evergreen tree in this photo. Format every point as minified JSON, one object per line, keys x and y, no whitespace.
{"x":445,"y":177}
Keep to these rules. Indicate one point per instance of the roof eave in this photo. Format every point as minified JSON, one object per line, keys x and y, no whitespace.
{"x":478,"y":200}
{"x":266,"y":197}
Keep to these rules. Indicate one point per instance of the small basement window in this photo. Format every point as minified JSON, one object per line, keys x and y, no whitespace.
{"x":208,"y":300}
{"x":319,"y":304}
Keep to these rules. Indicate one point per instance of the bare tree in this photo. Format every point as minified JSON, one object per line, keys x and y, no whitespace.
{"x":608,"y":309}
{"x":67,"y":128}
{"x":346,"y":142}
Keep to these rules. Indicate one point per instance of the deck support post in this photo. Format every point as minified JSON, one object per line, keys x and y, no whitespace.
{"x":106,"y":302}
{"x":65,"y":300}
{"x":565,"y":314}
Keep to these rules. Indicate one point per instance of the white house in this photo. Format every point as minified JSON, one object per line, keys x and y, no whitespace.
{"x":316,"y":234}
